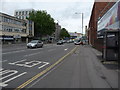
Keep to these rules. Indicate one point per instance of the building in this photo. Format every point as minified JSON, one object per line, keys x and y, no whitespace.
{"x":74,"y":35}
{"x":99,"y":9}
{"x":23,"y":13}
{"x":30,"y":30}
{"x":12,"y":29}
{"x":57,"y":31}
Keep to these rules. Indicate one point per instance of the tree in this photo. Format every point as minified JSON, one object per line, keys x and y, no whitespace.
{"x":64,"y":33}
{"x":43,"y":23}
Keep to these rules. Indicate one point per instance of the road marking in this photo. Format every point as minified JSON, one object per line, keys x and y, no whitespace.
{"x":32,"y":54}
{"x":44,"y":71}
{"x":3,"y":61}
{"x":8,"y":74}
{"x":17,"y":62}
{"x":66,"y":49}
{"x":46,"y":63}
{"x":14,"y":72}
{"x":29,"y":64}
{"x":13,"y":52}
{"x":33,"y":63}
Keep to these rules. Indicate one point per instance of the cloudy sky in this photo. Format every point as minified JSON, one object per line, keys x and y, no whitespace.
{"x":63,"y":11}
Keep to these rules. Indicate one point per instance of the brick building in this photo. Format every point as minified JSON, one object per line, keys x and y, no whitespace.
{"x":99,"y":9}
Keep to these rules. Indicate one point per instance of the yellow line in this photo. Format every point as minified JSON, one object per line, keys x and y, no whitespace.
{"x":44,"y":71}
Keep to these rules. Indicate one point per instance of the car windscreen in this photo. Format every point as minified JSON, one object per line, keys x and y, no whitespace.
{"x":34,"y":41}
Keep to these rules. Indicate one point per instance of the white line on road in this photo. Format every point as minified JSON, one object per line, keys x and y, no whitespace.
{"x":18,"y":61}
{"x":3,"y":83}
{"x":32,"y":54}
{"x":12,"y":73}
{"x":46,"y":63}
{"x":66,"y":49}
{"x":3,"y":61}
{"x":13,"y":52}
{"x":34,"y":63}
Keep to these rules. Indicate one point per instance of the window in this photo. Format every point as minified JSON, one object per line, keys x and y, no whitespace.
{"x":19,"y":13}
{"x":16,"y":13}
{"x":0,"y":19}
{"x":26,"y":12}
{"x":22,"y":17}
{"x":22,"y":12}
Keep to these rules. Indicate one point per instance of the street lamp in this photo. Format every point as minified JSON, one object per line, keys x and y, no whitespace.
{"x":82,"y":21}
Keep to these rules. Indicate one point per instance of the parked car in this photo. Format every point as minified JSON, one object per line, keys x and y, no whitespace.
{"x":35,"y":44}
{"x":60,"y":42}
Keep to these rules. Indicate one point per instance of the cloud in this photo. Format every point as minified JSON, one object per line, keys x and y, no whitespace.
{"x":48,"y":0}
{"x":64,"y":12}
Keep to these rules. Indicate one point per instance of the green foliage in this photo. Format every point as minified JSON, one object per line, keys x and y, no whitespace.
{"x":43,"y":23}
{"x":64,"y":33}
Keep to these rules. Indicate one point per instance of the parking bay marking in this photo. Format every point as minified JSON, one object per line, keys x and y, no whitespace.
{"x":8,"y":74}
{"x":29,"y":64}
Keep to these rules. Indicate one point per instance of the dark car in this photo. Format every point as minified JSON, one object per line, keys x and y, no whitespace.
{"x":35,"y":44}
{"x":60,"y":42}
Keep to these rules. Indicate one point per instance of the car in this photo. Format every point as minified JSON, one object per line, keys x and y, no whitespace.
{"x":35,"y":44}
{"x":60,"y":42}
{"x":77,"y":42}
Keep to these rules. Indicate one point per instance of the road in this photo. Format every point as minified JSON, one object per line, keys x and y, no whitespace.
{"x":54,"y":66}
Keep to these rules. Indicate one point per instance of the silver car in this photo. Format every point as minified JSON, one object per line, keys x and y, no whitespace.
{"x":35,"y":44}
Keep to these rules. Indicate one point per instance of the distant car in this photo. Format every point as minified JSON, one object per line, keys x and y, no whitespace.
{"x":77,"y":42}
{"x":60,"y":42}
{"x":64,"y":41}
{"x":35,"y":44}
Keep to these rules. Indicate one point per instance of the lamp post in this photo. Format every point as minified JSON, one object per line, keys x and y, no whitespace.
{"x":82,"y":21}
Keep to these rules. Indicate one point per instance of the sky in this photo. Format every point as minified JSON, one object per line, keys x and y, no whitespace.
{"x":63,"y":11}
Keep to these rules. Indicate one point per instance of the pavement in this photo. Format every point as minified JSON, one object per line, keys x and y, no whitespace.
{"x":56,"y":66}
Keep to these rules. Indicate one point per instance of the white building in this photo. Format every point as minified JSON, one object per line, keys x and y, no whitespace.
{"x":23,"y":13}
{"x":14,"y":30}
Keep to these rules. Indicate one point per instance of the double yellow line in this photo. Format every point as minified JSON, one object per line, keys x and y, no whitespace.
{"x":44,"y":71}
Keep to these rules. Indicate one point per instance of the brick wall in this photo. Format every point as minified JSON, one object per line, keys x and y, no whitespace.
{"x":99,"y":9}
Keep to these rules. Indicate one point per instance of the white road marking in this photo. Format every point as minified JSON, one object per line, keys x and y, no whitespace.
{"x":4,"y":72}
{"x":32,"y":54}
{"x":13,"y":52}
{"x":3,"y":83}
{"x":26,"y":64}
{"x":8,"y":74}
{"x":3,"y":61}
{"x":46,"y":63}
{"x":17,"y":62}
{"x":66,"y":49}
{"x":14,"y":72}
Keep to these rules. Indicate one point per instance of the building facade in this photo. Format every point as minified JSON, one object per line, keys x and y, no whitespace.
{"x":23,"y":13}
{"x":99,"y":9}
{"x":74,"y":35}
{"x":57,"y":31}
{"x":14,"y":30}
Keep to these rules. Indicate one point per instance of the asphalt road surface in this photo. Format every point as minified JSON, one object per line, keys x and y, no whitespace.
{"x":54,"y":66}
